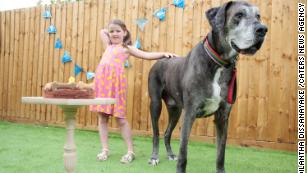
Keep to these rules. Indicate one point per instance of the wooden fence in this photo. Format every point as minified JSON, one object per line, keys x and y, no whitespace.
{"x":264,"y":114}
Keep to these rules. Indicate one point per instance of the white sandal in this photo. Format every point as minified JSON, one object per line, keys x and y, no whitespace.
{"x":128,"y":158}
{"x":103,"y":155}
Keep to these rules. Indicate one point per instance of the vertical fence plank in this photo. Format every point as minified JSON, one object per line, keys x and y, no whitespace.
{"x":6,"y":63}
{"x":74,"y":45}
{"x":92,"y":47}
{"x":137,"y":67}
{"x":56,"y":57}
{"x":82,"y":113}
{"x":30,"y":60}
{"x":52,"y":74}
{"x":100,"y":25}
{"x":263,"y":60}
{"x":49,"y":60}
{"x":42,"y":32}
{"x":86,"y":49}
{"x":11,"y":64}
{"x":292,"y":126}
{"x":35,"y":84}
{"x":16,"y":63}
{"x":287,"y":88}
{"x":275,"y":71}
{"x":2,"y":57}
{"x":121,"y":10}
{"x":46,"y":35}
{"x":69,"y":66}
{"x":131,"y":10}
{"x":26,"y":50}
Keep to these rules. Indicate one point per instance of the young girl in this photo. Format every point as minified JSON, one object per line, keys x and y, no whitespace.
{"x":110,"y":81}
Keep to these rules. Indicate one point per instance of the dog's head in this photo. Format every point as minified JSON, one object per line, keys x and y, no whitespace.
{"x":238,"y":25}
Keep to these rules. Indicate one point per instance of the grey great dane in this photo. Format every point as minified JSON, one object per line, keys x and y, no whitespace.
{"x":204,"y":82}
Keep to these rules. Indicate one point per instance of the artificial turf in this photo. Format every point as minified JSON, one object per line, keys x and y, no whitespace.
{"x":39,"y":149}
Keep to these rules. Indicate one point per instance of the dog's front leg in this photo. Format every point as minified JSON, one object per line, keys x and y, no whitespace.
{"x":187,"y":123}
{"x":221,"y":123}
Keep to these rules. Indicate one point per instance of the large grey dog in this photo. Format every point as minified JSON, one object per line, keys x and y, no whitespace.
{"x":203,"y":83}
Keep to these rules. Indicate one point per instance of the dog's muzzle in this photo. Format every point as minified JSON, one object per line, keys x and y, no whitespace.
{"x":260,"y":32}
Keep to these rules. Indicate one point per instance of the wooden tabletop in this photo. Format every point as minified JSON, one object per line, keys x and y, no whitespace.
{"x":60,"y":101}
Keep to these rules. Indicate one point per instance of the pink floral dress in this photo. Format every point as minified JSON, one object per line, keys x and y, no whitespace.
{"x":111,"y":81}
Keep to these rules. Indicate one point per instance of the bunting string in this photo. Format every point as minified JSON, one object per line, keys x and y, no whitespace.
{"x":140,"y":22}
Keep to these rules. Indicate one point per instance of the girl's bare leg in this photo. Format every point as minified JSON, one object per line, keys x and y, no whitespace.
{"x":103,"y":130}
{"x":126,"y":132}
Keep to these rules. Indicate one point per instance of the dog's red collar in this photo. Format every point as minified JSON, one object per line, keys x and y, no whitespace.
{"x":231,"y":96}
{"x":213,"y":54}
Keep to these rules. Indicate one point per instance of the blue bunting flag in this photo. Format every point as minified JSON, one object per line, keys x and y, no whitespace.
{"x":66,"y":57}
{"x":160,"y":14}
{"x":126,"y":65}
{"x":78,"y":69}
{"x":137,"y":43}
{"x":90,"y":75}
{"x":179,"y":3}
{"x":141,"y":23}
{"x":58,"y":44}
{"x":47,"y":14}
{"x":51,"y":29}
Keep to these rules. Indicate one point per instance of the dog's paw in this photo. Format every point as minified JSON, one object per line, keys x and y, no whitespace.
{"x":153,"y":161}
{"x":172,"y":157}
{"x":220,"y":171}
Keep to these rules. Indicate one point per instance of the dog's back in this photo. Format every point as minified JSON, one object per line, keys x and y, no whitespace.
{"x":162,"y":81}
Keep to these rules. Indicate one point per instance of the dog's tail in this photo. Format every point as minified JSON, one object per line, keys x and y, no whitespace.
{"x":155,"y":81}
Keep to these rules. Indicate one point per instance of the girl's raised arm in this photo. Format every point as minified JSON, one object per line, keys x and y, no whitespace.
{"x":148,"y":55}
{"x":104,"y":36}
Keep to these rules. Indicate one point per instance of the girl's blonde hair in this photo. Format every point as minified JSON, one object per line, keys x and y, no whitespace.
{"x":127,"y":38}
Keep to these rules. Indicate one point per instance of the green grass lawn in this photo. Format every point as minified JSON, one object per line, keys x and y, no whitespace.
{"x":39,"y":149}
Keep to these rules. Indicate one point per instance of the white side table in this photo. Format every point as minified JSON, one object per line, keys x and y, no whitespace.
{"x":70,"y":107}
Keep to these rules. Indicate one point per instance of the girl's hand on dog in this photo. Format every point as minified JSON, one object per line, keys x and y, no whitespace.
{"x":170,"y":55}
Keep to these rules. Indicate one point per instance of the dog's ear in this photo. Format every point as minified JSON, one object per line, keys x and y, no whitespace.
{"x":217,"y":16}
{"x":211,"y":13}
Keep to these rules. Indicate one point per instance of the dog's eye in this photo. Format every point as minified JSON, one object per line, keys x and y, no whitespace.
{"x":258,"y":16}
{"x":239,"y":15}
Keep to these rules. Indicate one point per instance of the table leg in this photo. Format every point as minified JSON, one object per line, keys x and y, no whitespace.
{"x":70,"y":156}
